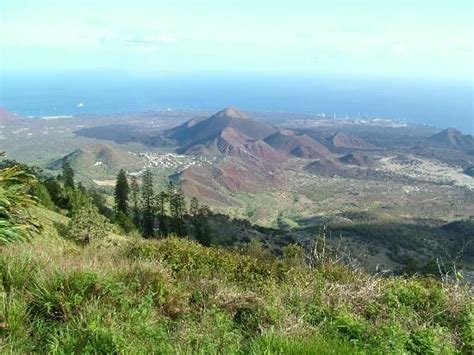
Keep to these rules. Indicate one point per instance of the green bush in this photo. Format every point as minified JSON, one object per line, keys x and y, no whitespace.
{"x":87,"y":225}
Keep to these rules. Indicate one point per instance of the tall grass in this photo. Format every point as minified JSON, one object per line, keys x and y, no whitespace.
{"x":175,"y":296}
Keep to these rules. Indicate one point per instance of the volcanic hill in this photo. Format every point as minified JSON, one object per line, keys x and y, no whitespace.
{"x":355,"y":159}
{"x":231,"y":132}
{"x":452,"y":138}
{"x":297,"y":144}
{"x":99,"y":157}
{"x":228,"y":132}
{"x":349,"y":140}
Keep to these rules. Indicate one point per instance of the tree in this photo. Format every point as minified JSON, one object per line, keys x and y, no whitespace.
{"x":68,"y":174}
{"x":177,"y":205}
{"x":61,"y":196}
{"x":87,"y":224}
{"x":77,"y":198}
{"x":121,"y":192}
{"x":135,"y":199}
{"x":194,"y":207}
{"x":162,"y":217}
{"x":200,"y":220}
{"x":170,"y":190}
{"x":147,"y":205}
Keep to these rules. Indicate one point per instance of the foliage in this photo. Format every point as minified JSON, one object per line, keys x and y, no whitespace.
{"x":121,"y":192}
{"x":98,"y":200}
{"x":87,"y":224}
{"x":177,"y":208}
{"x":16,"y":222}
{"x":125,"y":223}
{"x":199,"y":217}
{"x":162,"y":200}
{"x":135,"y":199}
{"x":148,"y":205}
{"x":110,"y":294}
{"x":40,"y":192}
{"x":293,"y":254}
{"x":55,"y":192}
{"x":68,"y":174}
{"x":176,"y":296}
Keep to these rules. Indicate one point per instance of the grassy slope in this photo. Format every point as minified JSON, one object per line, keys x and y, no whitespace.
{"x":135,"y":296}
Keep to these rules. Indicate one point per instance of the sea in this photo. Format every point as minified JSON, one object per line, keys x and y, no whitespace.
{"x":438,"y":103}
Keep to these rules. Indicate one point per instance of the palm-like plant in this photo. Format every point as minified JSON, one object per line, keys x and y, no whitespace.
{"x":16,"y":223}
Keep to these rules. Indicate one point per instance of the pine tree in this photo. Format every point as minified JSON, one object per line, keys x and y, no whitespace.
{"x":135,"y":199}
{"x":147,"y":205}
{"x":121,"y":192}
{"x":68,"y":174}
{"x":177,"y":205}
{"x":162,"y":217}
{"x":170,"y":190}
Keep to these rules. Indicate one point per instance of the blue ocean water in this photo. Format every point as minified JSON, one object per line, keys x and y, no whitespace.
{"x":436,"y":103}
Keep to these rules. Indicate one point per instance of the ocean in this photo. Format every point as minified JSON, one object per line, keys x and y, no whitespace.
{"x":436,"y":103}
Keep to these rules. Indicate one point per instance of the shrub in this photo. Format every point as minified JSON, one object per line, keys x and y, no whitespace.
{"x":59,"y":297}
{"x":87,"y":225}
{"x":16,"y":222}
{"x":125,"y":223}
{"x":293,"y":254}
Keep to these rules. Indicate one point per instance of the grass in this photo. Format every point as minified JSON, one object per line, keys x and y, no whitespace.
{"x":174,"y":296}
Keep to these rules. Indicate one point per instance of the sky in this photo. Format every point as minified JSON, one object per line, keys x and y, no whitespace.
{"x":361,"y":37}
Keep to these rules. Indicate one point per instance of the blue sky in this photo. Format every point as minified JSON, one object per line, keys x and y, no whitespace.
{"x":395,"y":38}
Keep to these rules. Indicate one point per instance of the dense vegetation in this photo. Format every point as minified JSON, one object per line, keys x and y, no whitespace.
{"x":15,"y":221}
{"x":137,"y":206}
{"x":173,"y":295}
{"x":84,"y":284}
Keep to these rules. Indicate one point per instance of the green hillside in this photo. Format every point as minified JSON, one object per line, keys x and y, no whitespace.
{"x":124,"y":295}
{"x":79,"y":283}
{"x":98,"y":160}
